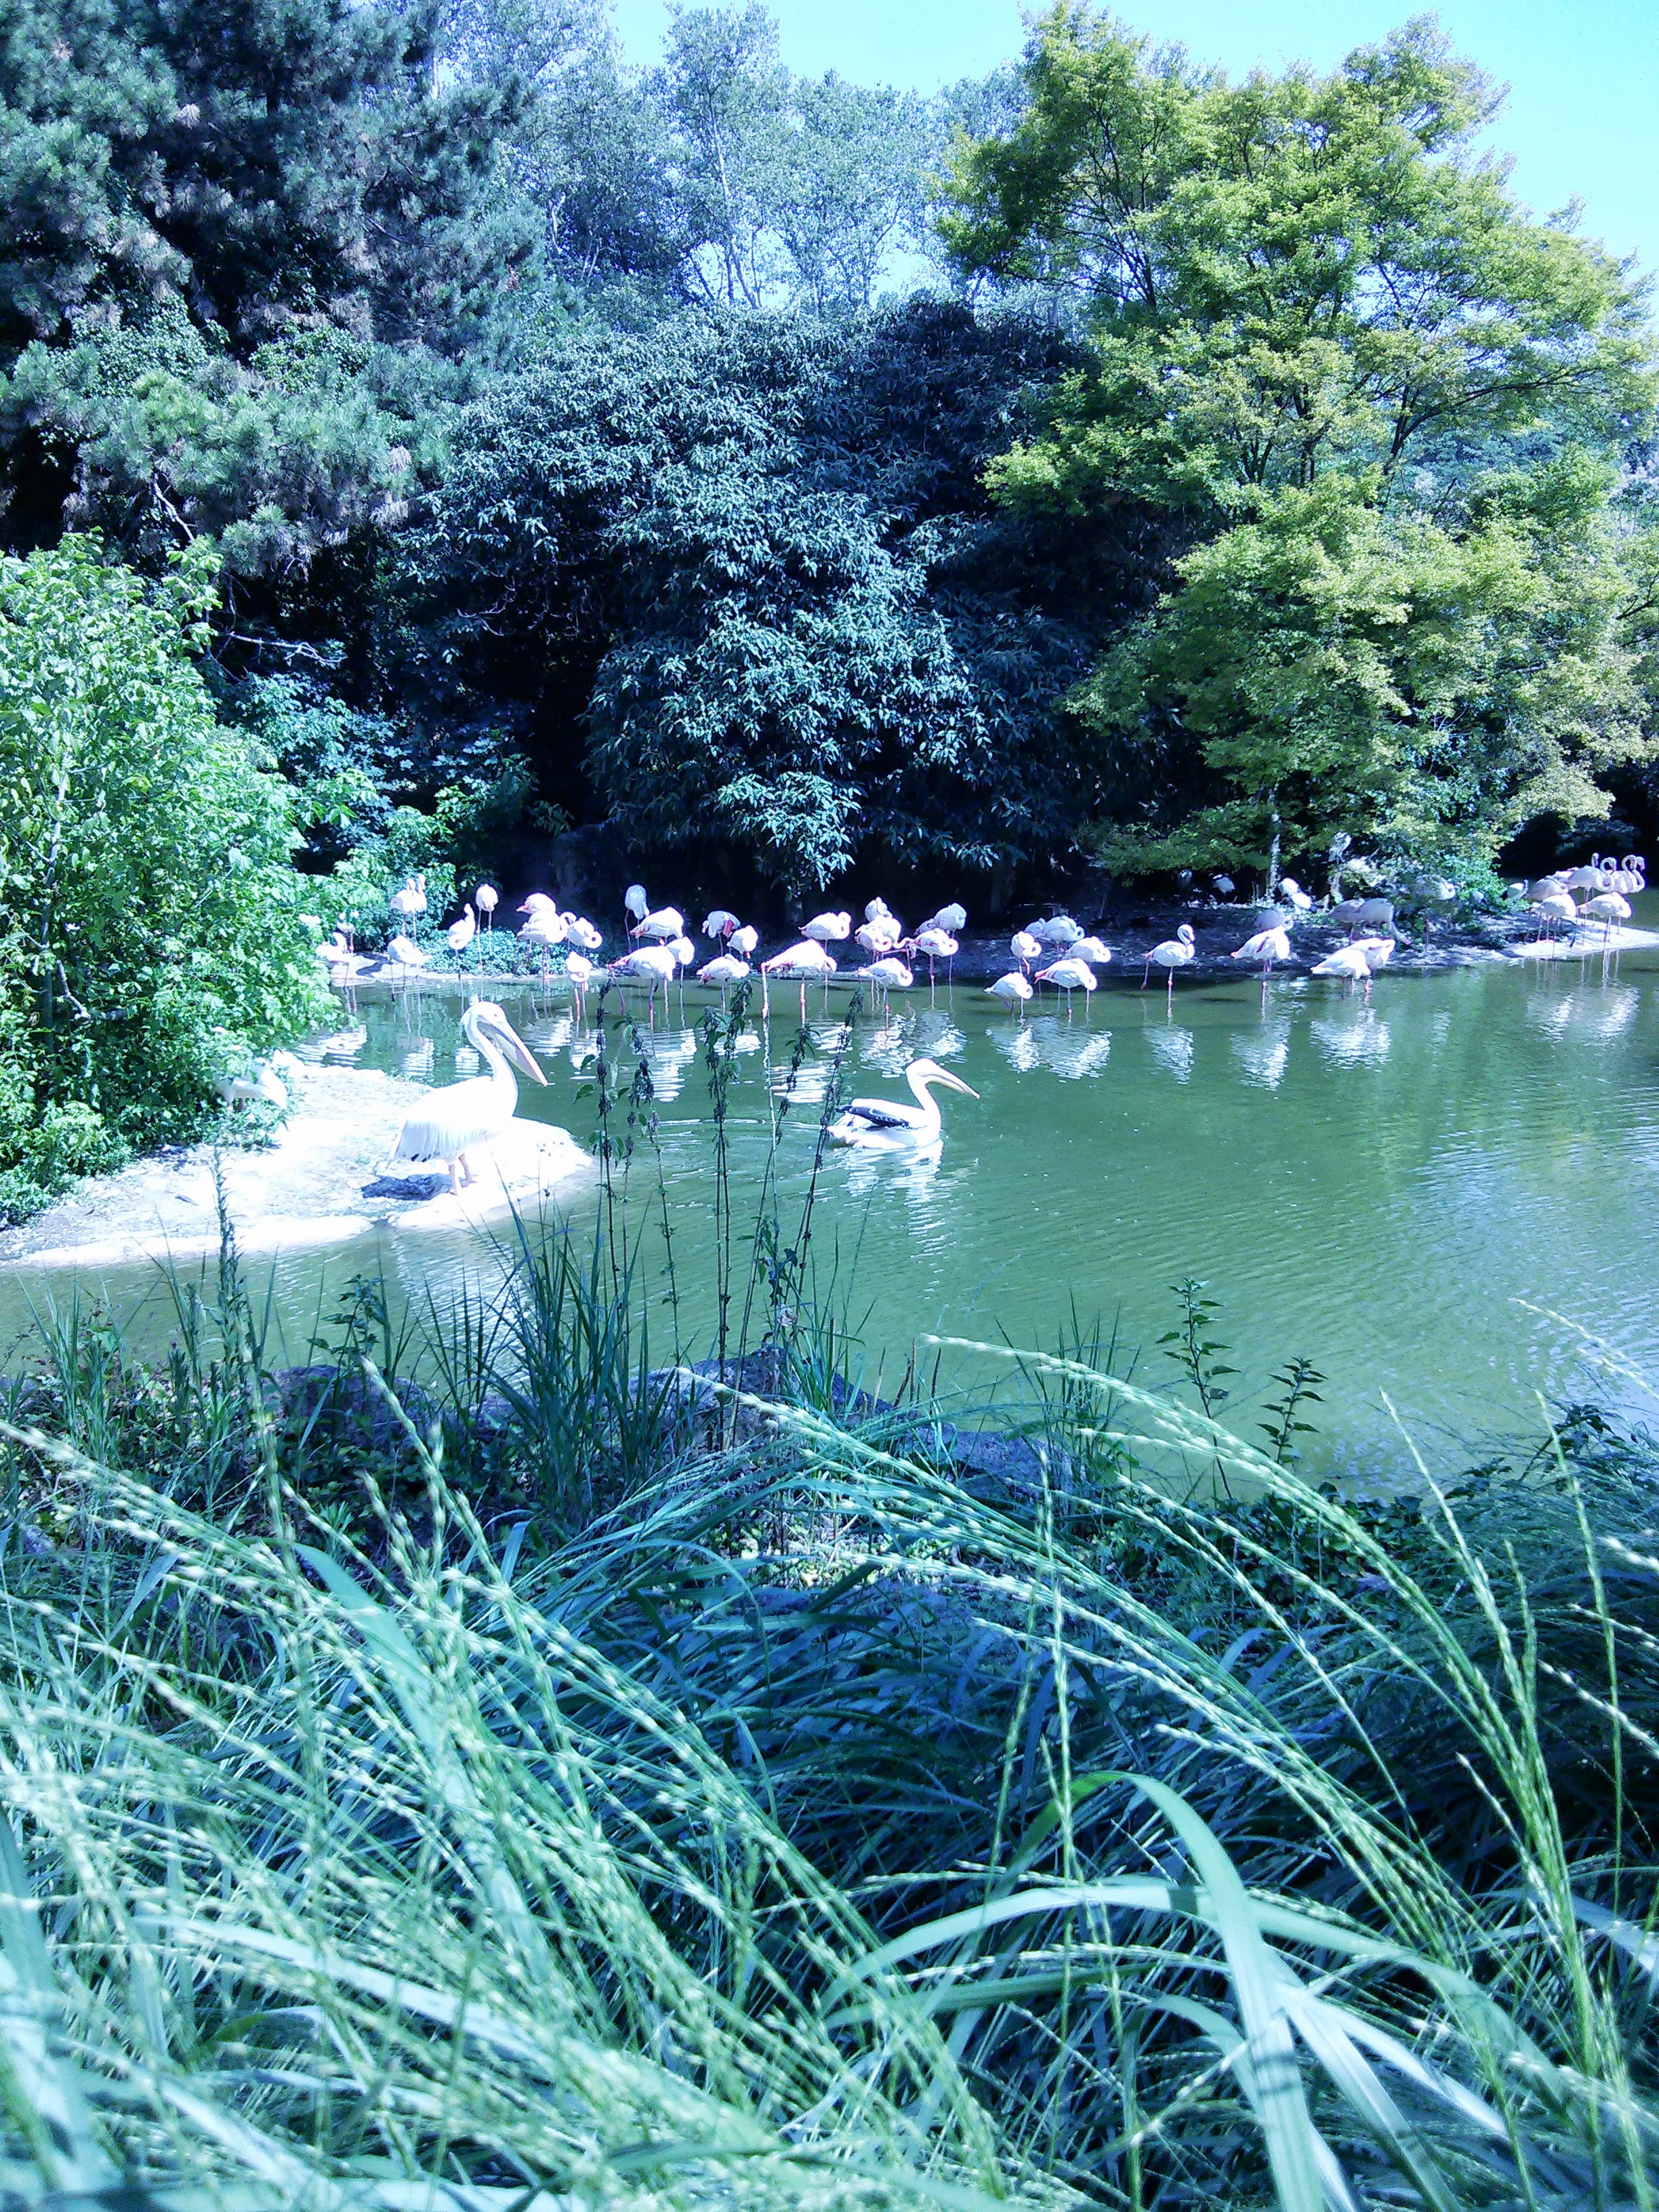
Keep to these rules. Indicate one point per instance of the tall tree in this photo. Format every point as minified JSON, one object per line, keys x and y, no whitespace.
{"x":1293,"y":283}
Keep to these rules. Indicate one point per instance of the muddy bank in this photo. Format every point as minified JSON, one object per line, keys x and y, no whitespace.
{"x":322,"y":1179}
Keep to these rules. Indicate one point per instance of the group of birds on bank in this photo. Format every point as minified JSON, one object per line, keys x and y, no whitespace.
{"x":1610,"y":883}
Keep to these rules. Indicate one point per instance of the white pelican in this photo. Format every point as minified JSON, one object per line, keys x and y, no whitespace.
{"x":1350,"y":963}
{"x":410,"y":900}
{"x":459,"y":934}
{"x":830,"y":928}
{"x":878,"y":938}
{"x":1024,"y":947}
{"x":448,"y":1123}
{"x":807,"y":960}
{"x":484,"y":898}
{"x":1092,"y":949}
{"x":1013,"y":989}
{"x":261,"y":1082}
{"x":885,"y":1122}
{"x":1177,"y":952}
{"x":658,"y":927}
{"x":1069,"y":976}
{"x":1266,"y":946}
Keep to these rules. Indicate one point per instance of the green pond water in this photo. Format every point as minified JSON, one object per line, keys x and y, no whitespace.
{"x":1389,"y":1186}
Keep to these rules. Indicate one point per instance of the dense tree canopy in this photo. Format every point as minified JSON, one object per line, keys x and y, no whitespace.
{"x":1271,"y":475}
{"x":1377,"y":412}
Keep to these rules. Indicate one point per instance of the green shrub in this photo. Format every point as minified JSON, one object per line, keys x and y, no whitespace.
{"x":153,"y":933}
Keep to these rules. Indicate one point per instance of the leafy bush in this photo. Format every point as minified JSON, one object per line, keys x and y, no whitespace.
{"x":153,"y":933}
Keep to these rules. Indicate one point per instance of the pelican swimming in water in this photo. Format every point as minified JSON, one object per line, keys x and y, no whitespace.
{"x":448,"y":1124}
{"x":886,"y":1121}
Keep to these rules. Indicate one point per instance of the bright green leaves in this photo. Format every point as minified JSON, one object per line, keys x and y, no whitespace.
{"x":153,"y":931}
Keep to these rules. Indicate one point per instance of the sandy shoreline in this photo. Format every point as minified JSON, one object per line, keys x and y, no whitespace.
{"x":322,"y":1181}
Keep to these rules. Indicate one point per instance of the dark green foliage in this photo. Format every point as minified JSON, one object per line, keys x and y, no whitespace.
{"x":814,"y":637}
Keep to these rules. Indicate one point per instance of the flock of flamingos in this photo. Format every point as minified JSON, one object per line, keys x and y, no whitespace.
{"x":450,"y":1122}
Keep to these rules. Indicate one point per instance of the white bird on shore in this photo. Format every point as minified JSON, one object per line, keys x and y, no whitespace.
{"x":1060,"y":933}
{"x":546,"y":926}
{"x":1224,"y":886}
{"x":830,"y":928}
{"x":1092,"y":949}
{"x":1024,"y":947}
{"x":952,"y":919}
{"x":343,"y":965}
{"x":459,"y":934}
{"x":1013,"y":989}
{"x":1554,"y":906}
{"x":885,"y":1122}
{"x":1177,"y":952}
{"x":484,"y":898}
{"x":1266,"y":946}
{"x":1350,"y":963}
{"x":1294,"y":892}
{"x":878,"y":910}
{"x":405,"y":952}
{"x":448,"y":1124}
{"x":410,"y":900}
{"x":261,"y":1082}
{"x":1608,"y":908}
{"x":1069,"y":976}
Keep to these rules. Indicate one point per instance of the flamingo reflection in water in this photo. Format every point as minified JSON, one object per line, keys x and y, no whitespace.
{"x":889,"y":1122}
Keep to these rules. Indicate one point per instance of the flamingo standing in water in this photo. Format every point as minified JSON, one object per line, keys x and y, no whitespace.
{"x":829,"y":929}
{"x":1267,"y":945}
{"x":580,"y":972}
{"x":878,"y":938}
{"x":888,"y":974}
{"x":808,"y":960}
{"x":1351,"y":962}
{"x":886,"y":1122}
{"x":1025,"y":949}
{"x":661,"y":927}
{"x":1177,"y":952}
{"x":724,"y":969}
{"x":1069,"y":976}
{"x":938,"y":945}
{"x":1013,"y":989}
{"x":448,"y":1124}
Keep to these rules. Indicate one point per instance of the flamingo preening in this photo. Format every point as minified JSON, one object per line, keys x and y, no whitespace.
{"x":580,"y":973}
{"x":449,"y":1123}
{"x":887,"y":1123}
{"x":1351,"y":962}
{"x":724,"y":969}
{"x":829,"y":929}
{"x":659,"y":928}
{"x":1013,"y":989}
{"x":1026,"y":948}
{"x":808,"y":960}
{"x":888,"y":974}
{"x":938,"y":944}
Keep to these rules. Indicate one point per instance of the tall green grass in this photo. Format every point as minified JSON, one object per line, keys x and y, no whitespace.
{"x":793,"y":1824}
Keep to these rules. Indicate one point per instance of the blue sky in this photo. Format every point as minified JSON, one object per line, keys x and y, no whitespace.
{"x":1582,"y":120}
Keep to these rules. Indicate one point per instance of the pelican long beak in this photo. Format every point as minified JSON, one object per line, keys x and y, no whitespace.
{"x":957,"y":1084}
{"x":516,"y":1049}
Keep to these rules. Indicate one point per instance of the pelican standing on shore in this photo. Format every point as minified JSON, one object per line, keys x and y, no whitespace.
{"x":448,"y":1124}
{"x":886,"y":1121}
